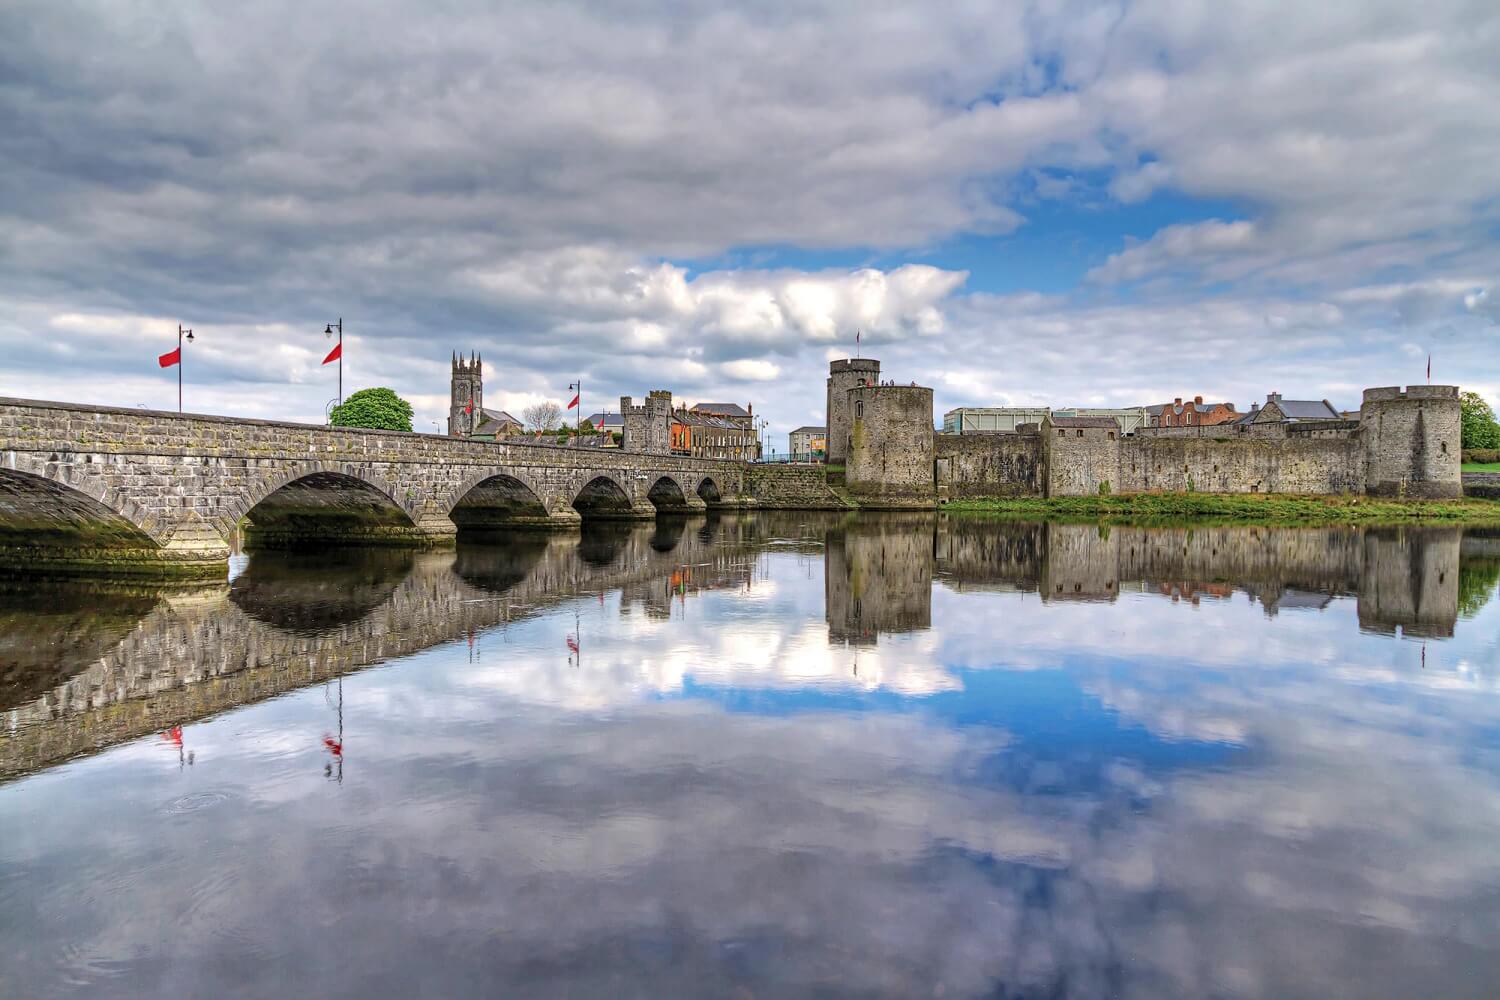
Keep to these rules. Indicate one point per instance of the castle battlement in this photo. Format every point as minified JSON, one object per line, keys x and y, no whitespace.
{"x":648,"y":426}
{"x":1395,"y":392}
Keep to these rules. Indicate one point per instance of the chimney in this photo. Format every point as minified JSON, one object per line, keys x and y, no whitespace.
{"x":1177,"y":401}
{"x":1197,"y":400}
{"x":1273,"y":397}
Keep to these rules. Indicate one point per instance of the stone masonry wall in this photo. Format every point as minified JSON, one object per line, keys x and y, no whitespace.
{"x":1243,"y":465}
{"x":1080,"y":461}
{"x":988,"y":465}
{"x":791,"y":487}
{"x":891,"y":454}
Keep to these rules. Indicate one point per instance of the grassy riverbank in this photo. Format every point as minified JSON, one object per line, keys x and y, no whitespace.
{"x":1481,"y":467}
{"x":1236,"y":508}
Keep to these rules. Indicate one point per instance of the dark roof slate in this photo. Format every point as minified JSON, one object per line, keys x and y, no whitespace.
{"x":723,"y":409}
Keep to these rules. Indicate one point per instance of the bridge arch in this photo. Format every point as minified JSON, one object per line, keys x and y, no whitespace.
{"x":708,"y":491}
{"x":667,"y":495}
{"x":44,"y":506}
{"x":312,"y":501}
{"x":497,"y":497}
{"x":603,"y":496}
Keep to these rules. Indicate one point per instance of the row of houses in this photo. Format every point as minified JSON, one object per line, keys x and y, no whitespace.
{"x":704,"y":430}
{"x":1132,"y":419}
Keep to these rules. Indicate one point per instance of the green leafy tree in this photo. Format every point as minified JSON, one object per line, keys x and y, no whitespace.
{"x":1479,"y":427}
{"x":380,"y":409}
{"x":587,"y":427}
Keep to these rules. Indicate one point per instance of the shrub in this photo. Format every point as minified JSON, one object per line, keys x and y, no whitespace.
{"x":1104,"y":488}
{"x":1481,"y":456}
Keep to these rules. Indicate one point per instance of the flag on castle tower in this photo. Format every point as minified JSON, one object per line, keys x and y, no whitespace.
{"x":172,"y":357}
{"x":335,"y":354}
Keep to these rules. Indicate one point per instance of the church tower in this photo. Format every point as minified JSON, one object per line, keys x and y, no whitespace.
{"x":466,"y":404}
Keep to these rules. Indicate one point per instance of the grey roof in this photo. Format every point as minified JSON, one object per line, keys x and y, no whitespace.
{"x":723,"y":409}
{"x":810,"y":430}
{"x":1308,"y":409}
{"x":706,"y":420}
{"x":495,"y":418}
{"x":1109,"y":422}
{"x":606,"y":420}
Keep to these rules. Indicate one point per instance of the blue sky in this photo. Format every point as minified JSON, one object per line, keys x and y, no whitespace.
{"x":1047,"y":202}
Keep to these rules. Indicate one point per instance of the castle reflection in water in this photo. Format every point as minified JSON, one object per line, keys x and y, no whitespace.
{"x":86,"y":665}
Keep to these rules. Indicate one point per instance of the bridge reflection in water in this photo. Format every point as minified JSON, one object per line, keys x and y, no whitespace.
{"x":86,"y":666}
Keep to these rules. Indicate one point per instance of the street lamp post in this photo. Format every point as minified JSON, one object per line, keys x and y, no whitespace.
{"x":337,"y":354}
{"x":181,"y":333}
{"x":577,"y":389}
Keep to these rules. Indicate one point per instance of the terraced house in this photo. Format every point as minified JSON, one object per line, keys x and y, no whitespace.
{"x":1192,"y":413}
{"x":714,"y":430}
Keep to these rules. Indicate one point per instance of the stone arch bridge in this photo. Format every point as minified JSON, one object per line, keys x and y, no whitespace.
{"x":146,"y":490}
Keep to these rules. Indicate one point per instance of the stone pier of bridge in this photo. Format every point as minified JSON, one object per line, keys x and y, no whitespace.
{"x":96,"y":488}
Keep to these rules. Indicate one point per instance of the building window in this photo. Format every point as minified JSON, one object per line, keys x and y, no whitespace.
{"x":1062,"y":434}
{"x":1111,"y":435}
{"x":1080,"y":433}
{"x":859,"y":408}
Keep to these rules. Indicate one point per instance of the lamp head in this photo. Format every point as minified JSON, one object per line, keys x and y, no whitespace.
{"x":190,"y":336}
{"x":328,"y":330}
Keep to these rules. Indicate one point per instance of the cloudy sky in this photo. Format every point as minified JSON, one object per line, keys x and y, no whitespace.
{"x":1054,"y":202}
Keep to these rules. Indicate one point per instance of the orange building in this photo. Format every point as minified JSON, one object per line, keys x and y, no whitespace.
{"x":1193,"y":413}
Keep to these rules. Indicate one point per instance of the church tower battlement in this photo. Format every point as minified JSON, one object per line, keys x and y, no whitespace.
{"x":466,"y":400}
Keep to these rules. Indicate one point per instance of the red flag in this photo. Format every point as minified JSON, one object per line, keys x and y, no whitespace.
{"x":470,"y":407}
{"x":335,"y":354}
{"x":171,"y":358}
{"x":572,"y":644}
{"x":574,"y":403}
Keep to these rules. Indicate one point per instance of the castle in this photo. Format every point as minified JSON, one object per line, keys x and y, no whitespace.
{"x":1405,"y":443}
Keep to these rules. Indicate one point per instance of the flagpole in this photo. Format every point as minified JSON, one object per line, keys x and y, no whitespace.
{"x":341,"y":380}
{"x":179,"y":367}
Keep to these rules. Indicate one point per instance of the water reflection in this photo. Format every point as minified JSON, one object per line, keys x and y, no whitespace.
{"x":73,"y":651}
{"x":767,"y":755}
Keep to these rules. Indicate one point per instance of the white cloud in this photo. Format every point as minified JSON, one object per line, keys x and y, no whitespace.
{"x":749,"y":370}
{"x":1483,"y":303}
{"x":1194,"y":244}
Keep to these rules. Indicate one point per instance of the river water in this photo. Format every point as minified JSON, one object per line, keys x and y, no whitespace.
{"x":762,"y":756}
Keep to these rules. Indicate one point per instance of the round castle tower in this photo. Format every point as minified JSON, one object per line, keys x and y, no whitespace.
{"x":891,"y":443}
{"x":1411,"y":441}
{"x":844,"y":375}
